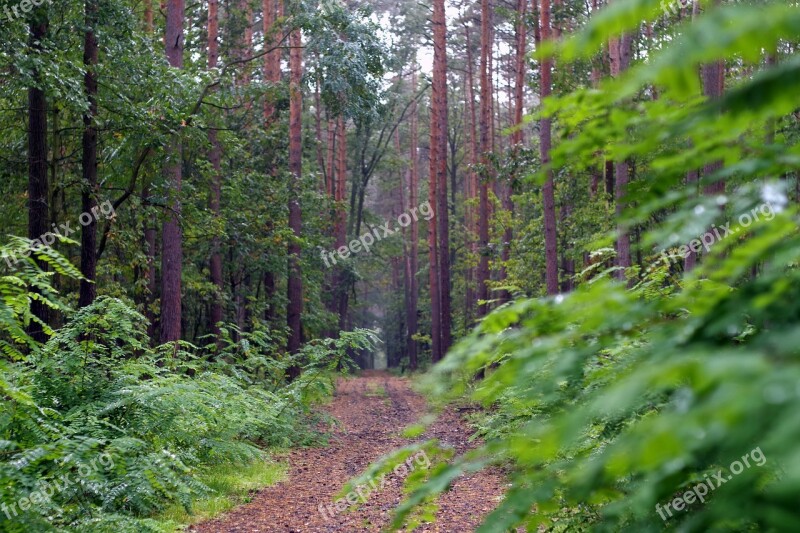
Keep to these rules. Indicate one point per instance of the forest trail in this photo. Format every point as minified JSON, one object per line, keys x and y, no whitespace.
{"x":373,"y":409}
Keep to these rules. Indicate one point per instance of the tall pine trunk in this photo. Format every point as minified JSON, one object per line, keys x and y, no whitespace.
{"x":545,"y":142}
{"x":294,"y":306}
{"x":38,"y":185}
{"x":215,"y":200}
{"x":433,"y":260}
{"x":620,"y":54}
{"x":471,"y":188}
{"x":88,"y":288}
{"x":342,"y":289}
{"x":271,"y":9}
{"x":486,"y":120}
{"x":149,"y":227}
{"x":412,"y":261}
{"x":171,"y":235}
{"x":517,"y":138}
{"x":439,"y":167}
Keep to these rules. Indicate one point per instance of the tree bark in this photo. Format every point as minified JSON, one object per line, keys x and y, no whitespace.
{"x":38,"y":184}
{"x":433,"y":260}
{"x":272,"y":60}
{"x":294,"y":307}
{"x":88,"y":287}
{"x":215,"y":200}
{"x":342,"y":289}
{"x":545,"y":142}
{"x":149,"y":227}
{"x":471,"y":188}
{"x":713,"y":88}
{"x":172,"y":239}
{"x":148,"y":16}
{"x":517,"y":138}
{"x":271,"y":9}
{"x":439,"y":167}
{"x":412,"y":260}
{"x":486,"y":128}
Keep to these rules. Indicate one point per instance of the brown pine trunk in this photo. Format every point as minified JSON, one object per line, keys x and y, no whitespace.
{"x":148,"y":16}
{"x":471,"y":218}
{"x":439,"y":167}
{"x":272,"y":74}
{"x":713,"y":79}
{"x":149,"y":228}
{"x":412,"y":259}
{"x":294,"y":307}
{"x":215,"y":200}
{"x":38,"y":186}
{"x":272,"y":60}
{"x":88,"y":288}
{"x":620,"y":55}
{"x":548,"y":191}
{"x":597,"y":171}
{"x":330,"y":170}
{"x":172,"y":252}
{"x":323,"y":186}
{"x":433,"y":260}
{"x":713,"y":88}
{"x":341,"y":215}
{"x":242,"y":18}
{"x":517,"y":138}
{"x":486,"y":128}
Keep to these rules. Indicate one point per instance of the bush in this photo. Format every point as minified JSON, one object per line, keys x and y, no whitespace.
{"x":99,"y":431}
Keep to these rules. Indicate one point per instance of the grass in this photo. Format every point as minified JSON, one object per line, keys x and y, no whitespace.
{"x":232,"y":486}
{"x":376,"y":390}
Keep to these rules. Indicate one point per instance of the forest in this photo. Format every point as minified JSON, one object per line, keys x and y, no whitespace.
{"x":348,"y":265}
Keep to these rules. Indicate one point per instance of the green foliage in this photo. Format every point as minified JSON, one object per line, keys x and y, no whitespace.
{"x":25,"y":282}
{"x":608,"y":401}
{"x":136,"y":429}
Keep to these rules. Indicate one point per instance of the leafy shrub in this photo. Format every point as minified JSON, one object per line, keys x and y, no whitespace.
{"x":131,"y":426}
{"x":609,"y":401}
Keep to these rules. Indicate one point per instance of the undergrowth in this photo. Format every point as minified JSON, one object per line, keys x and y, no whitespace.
{"x":99,"y":431}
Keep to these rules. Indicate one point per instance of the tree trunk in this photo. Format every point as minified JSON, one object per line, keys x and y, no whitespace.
{"x":272,"y":60}
{"x":412,"y":256}
{"x":342,"y":289}
{"x":272,"y":74}
{"x":548,"y":191}
{"x":433,"y":276}
{"x":150,"y":229}
{"x":38,"y":186}
{"x":439,"y":167}
{"x":471,"y":220}
{"x":486,"y":120}
{"x":619,"y":50}
{"x":172,"y":245}
{"x":517,"y":138}
{"x":215,"y":200}
{"x":294,"y":307}
{"x":713,"y":88}
{"x":148,"y":16}
{"x":88,"y":288}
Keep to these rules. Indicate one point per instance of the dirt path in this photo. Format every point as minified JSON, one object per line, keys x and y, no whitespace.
{"x":373,"y":409}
